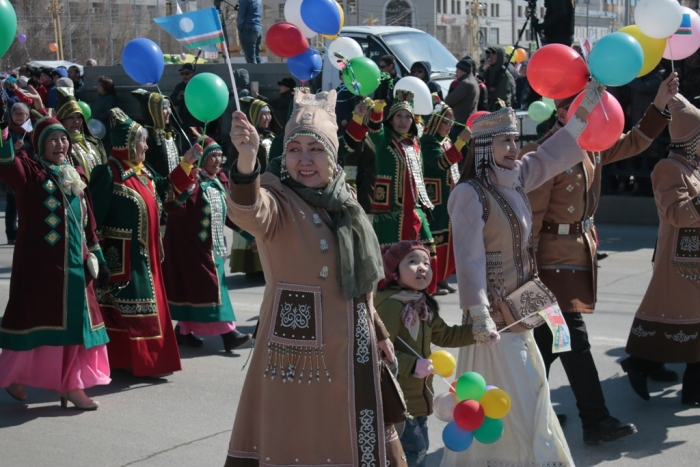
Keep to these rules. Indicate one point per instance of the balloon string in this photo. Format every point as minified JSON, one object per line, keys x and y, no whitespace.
{"x":670,"y":49}
{"x":204,"y":135}
{"x":420,"y":356}
{"x":600,"y":98}
{"x":174,"y":117}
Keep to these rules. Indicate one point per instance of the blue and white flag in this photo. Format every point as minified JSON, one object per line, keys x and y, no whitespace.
{"x":196,"y":29}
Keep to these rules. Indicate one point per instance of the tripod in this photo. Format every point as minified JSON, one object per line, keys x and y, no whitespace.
{"x":531,"y":18}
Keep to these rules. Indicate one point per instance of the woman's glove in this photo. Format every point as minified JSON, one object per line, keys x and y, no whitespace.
{"x":592,"y":95}
{"x":483,"y":327}
{"x":103,"y":275}
{"x":424,"y":367}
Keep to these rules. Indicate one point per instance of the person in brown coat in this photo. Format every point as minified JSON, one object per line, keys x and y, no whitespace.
{"x":562,"y":212}
{"x":311,"y":396}
{"x":666,"y":326}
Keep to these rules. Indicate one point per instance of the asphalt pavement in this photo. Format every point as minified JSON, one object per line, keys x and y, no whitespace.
{"x":186,"y":419}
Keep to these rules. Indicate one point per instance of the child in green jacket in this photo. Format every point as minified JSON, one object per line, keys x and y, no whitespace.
{"x":411,"y":317}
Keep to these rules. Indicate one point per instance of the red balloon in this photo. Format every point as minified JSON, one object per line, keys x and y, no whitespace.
{"x":469,"y":415}
{"x":286,"y":40}
{"x":557,"y":71}
{"x":600,"y":133}
{"x":452,"y":387}
{"x":474,"y":116}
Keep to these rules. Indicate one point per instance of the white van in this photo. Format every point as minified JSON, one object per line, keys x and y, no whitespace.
{"x":408,"y":45}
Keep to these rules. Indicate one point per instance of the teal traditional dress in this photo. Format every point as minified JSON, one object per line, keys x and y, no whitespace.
{"x":52,"y":333}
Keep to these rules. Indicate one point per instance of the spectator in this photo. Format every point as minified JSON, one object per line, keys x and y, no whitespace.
{"x":76,"y":76}
{"x":90,"y":62}
{"x":106,"y":101}
{"x":558,"y":24}
{"x":25,"y":70}
{"x":282,"y":103}
{"x":465,"y":97}
{"x":45,"y":83}
{"x":524,"y":93}
{"x":499,"y":82}
{"x":178,"y":97}
{"x":422,"y":70}
{"x":344,"y":104}
{"x":387,"y":64}
{"x":56,"y":74}
{"x":250,"y":28}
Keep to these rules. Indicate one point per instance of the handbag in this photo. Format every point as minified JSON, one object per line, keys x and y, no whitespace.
{"x":393,"y":402}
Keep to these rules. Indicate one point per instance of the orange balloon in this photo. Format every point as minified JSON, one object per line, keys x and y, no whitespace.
{"x":520,"y":55}
{"x":53,"y":47}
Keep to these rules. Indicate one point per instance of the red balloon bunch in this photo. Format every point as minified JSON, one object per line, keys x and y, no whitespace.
{"x":286,"y":40}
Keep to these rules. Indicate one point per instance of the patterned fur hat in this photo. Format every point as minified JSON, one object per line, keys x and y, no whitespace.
{"x":42,"y":128}
{"x":440,"y":110}
{"x":123,"y":133}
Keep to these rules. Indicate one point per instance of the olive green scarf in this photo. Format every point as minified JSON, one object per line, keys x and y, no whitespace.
{"x":360,"y":261}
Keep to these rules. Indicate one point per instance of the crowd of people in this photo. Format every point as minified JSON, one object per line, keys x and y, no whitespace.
{"x":356,"y":216}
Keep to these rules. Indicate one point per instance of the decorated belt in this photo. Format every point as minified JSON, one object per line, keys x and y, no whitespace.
{"x":576,"y":228}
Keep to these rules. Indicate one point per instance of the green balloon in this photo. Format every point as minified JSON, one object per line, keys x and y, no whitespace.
{"x":539,"y":112}
{"x":8,"y":25}
{"x":549,"y":103}
{"x":365,"y":72}
{"x":87,"y":111}
{"x":490,"y":431}
{"x":206,"y":97}
{"x":471,"y":385}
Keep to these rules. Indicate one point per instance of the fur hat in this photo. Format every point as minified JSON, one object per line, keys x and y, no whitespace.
{"x":66,"y":104}
{"x":123,"y":133}
{"x":42,"y":128}
{"x":440,"y":109}
{"x":402,"y":101}
{"x":394,"y":253}
{"x":684,"y":126}
{"x":208,"y":144}
{"x":152,"y":104}
{"x":500,"y":122}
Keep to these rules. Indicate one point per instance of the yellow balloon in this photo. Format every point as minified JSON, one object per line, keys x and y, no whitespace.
{"x":444,"y":363}
{"x":653,"y":48}
{"x":342,"y":23}
{"x":509,"y":49}
{"x":496,"y":403}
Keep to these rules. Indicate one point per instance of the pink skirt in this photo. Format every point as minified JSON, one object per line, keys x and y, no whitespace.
{"x":61,"y":368}
{"x":206,"y":329}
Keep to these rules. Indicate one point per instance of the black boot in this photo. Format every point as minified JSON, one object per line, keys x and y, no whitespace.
{"x":188,"y":340}
{"x":607,"y":430}
{"x":663,"y":375}
{"x":637,"y":378}
{"x":234,"y":339}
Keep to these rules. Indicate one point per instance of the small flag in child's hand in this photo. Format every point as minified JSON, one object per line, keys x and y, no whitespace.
{"x":561,"y":339}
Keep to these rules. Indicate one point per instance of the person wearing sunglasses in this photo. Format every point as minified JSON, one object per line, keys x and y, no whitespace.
{"x":187,"y":72}
{"x":422,"y":71}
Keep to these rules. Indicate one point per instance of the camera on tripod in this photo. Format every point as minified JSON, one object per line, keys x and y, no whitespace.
{"x":532,"y":11}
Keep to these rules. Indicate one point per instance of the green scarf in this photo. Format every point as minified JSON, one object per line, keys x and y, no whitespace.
{"x":360,"y":261}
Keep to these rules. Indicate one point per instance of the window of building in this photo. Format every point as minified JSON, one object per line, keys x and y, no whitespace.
{"x":493,"y":36}
{"x":281,"y":11}
{"x":441,"y":34}
{"x":444,"y":5}
{"x":452,"y":5}
{"x":482,"y":35}
{"x":399,"y":13}
{"x":495,"y":7}
{"x":438,"y":5}
{"x":520,"y":11}
{"x":459,"y":7}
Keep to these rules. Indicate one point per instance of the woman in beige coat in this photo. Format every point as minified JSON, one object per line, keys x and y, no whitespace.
{"x":311,"y":396}
{"x":666,"y":328}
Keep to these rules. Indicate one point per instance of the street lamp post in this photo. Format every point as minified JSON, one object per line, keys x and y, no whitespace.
{"x":588,"y":2}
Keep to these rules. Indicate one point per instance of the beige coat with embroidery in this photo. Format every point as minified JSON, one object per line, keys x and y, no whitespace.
{"x":335,"y":419}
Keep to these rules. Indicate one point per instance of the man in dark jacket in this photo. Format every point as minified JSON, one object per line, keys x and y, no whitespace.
{"x":187,"y":121}
{"x":499,"y":82}
{"x":281,"y":104}
{"x":387,"y":64}
{"x":464,"y":98}
{"x":422,"y":71}
{"x":558,"y":24}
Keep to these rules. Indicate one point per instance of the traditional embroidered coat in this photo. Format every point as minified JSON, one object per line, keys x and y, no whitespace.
{"x":311,"y":396}
{"x":567,"y":262}
{"x":666,"y":327}
{"x":195,"y":249}
{"x":399,"y":189}
{"x":440,"y":172}
{"x":135,"y":308}
{"x":52,"y":300}
{"x":88,"y":154}
{"x":163,"y":153}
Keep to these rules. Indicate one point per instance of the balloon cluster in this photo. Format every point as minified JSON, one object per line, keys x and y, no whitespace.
{"x":520,"y":54}
{"x":473,"y":410}
{"x":304,"y":19}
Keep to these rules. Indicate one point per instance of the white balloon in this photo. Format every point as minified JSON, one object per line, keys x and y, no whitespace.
{"x":97,"y":128}
{"x":444,"y":406}
{"x":422,"y":102}
{"x":345,"y":46}
{"x":658,"y":19}
{"x":292,"y":13}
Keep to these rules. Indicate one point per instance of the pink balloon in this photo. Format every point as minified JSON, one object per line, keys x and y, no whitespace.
{"x":686,"y":40}
{"x":605,"y":123}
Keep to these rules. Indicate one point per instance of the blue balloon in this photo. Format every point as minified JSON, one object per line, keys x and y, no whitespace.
{"x":616,"y":59}
{"x":321,"y":16}
{"x":143,"y":61}
{"x":455,"y":438}
{"x":306,"y":65}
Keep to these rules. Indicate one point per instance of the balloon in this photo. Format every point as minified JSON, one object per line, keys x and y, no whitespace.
{"x":520,"y":55}
{"x":87,"y":111}
{"x":470,"y":385}
{"x":53,"y":47}
{"x":686,"y":40}
{"x":8,"y":25}
{"x":306,"y":65}
{"x":422,"y":101}
{"x":292,"y":13}
{"x":538,"y":111}
{"x":557,"y":71}
{"x":490,"y":431}
{"x":616,"y":59}
{"x":444,"y":362}
{"x":455,"y":438}
{"x":489,"y":387}
{"x":509,"y":49}
{"x":22,"y":38}
{"x":142,"y":60}
{"x":496,"y":403}
{"x":444,"y":406}
{"x":342,"y":23}
{"x":286,"y":40}
{"x":550,"y":105}
{"x":183,"y":56}
{"x":469,"y":415}
{"x":345,"y":46}
{"x":600,"y":133}
{"x":474,"y":116}
{"x":206,"y":97}
{"x":658,"y":19}
{"x":365,"y":72}
{"x":452,"y":387}
{"x":653,"y":48}
{"x":97,"y":128}
{"x":321,"y":16}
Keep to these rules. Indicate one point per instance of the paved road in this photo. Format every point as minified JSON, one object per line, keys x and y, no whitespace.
{"x":186,"y":419}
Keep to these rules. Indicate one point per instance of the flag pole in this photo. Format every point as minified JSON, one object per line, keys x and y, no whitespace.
{"x":230,"y":72}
